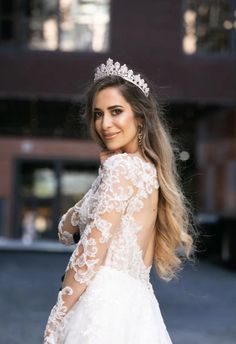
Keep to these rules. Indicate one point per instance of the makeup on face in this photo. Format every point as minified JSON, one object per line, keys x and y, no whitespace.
{"x":115,"y":121}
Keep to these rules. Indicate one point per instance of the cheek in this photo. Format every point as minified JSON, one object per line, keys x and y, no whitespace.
{"x":96,"y":125}
{"x":126,"y":121}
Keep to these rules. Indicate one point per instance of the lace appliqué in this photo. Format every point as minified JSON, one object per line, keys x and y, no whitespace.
{"x":112,"y":195}
{"x":124,"y":252}
{"x":64,"y":236}
{"x":105,"y":217}
{"x":56,"y":319}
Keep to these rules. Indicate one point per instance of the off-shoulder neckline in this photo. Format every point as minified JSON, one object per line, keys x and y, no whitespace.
{"x":132,"y":155}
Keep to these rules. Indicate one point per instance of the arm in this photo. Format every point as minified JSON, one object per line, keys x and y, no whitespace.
{"x":109,"y":203}
{"x":68,"y":229}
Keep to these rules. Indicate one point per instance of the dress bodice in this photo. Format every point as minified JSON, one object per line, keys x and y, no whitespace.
{"x":116,"y":219}
{"x":126,"y":248}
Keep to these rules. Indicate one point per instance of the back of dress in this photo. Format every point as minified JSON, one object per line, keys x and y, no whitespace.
{"x":132,"y":247}
{"x":128,"y":186}
{"x":106,"y":295}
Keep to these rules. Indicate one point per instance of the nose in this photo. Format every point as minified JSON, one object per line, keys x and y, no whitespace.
{"x":106,"y":121}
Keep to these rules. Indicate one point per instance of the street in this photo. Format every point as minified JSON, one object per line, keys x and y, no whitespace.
{"x":198,"y":308}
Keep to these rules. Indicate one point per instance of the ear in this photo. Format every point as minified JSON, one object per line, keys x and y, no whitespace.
{"x":139,"y":122}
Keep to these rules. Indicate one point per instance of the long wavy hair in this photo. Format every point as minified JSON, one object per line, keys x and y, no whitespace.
{"x":174,"y":237}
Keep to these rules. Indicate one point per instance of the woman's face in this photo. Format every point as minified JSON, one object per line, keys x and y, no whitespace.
{"x":114,"y":120}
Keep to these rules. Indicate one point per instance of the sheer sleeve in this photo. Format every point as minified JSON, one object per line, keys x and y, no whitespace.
{"x":67,"y":235}
{"x":69,"y":228}
{"x":108,"y":204}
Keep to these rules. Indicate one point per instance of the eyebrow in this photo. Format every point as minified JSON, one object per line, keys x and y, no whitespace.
{"x":110,"y":107}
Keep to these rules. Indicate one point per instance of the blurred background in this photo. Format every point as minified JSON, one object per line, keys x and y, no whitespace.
{"x":48,"y":52}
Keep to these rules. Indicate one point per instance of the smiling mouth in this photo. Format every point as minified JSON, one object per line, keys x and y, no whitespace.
{"x":109,"y":137}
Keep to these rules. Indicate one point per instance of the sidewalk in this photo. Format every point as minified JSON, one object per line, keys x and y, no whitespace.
{"x":198,"y":307}
{"x":35,"y":246}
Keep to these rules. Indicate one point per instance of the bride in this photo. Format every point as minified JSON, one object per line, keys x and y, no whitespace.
{"x":133,"y":216}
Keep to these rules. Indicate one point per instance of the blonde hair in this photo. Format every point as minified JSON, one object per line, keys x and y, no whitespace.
{"x":175,"y":233}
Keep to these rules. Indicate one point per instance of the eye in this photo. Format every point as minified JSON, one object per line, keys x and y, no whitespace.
{"x":116,"y":111}
{"x":97,"y":114}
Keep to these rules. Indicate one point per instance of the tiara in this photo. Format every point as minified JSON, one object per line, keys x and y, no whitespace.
{"x":116,"y":69}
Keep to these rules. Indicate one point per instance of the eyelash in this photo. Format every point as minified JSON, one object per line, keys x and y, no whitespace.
{"x":117,"y":111}
{"x":97,"y":114}
{"x":114,"y":112}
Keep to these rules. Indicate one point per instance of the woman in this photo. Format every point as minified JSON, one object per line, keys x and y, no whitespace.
{"x":134,"y":215}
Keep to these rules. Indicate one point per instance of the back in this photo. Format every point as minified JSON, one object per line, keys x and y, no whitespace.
{"x":117,"y":216}
{"x":132,"y":246}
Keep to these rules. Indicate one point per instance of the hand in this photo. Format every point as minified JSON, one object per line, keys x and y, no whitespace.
{"x":107,"y":153}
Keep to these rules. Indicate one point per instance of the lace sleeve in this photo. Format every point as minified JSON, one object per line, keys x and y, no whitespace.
{"x":108,"y":204}
{"x":66,"y":235}
{"x":69,"y":234}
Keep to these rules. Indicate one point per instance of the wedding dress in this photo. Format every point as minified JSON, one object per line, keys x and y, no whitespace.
{"x":108,"y":297}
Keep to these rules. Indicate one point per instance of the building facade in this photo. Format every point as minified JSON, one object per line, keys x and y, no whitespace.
{"x":48,"y":51}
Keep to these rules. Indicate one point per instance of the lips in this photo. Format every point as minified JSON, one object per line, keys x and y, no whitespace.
{"x":110,"y":136}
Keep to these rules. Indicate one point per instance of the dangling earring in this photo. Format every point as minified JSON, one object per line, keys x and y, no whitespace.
{"x":140,"y":135}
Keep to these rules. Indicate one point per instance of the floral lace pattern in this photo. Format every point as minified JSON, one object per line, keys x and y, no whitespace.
{"x":108,"y":228}
{"x":64,"y":236}
{"x":56,"y":317}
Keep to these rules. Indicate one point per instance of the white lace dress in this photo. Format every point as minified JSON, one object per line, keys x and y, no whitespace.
{"x":107,"y":297}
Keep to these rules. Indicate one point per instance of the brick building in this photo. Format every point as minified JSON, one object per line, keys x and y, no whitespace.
{"x":47,"y":53}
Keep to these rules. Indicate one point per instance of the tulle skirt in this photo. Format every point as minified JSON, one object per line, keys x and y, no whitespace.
{"x":115,"y":309}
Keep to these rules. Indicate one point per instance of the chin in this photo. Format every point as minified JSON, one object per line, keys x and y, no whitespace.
{"x":113,"y":148}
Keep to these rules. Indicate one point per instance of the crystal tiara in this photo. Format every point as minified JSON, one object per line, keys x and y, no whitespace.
{"x":116,"y":69}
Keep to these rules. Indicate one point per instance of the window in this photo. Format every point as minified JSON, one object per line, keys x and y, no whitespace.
{"x":45,"y":191}
{"x":43,"y":118}
{"x":67,"y":25}
{"x":209,"y":26}
{"x":75,"y":181}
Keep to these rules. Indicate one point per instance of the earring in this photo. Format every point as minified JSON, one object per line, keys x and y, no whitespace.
{"x":140,"y":135}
